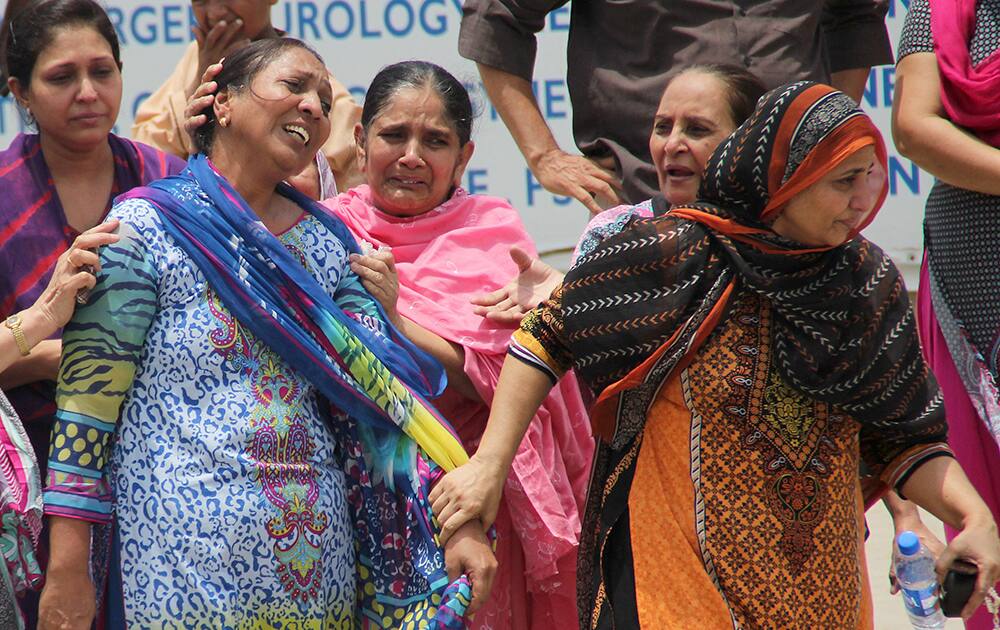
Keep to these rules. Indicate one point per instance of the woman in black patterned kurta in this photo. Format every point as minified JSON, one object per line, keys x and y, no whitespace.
{"x":749,"y":350}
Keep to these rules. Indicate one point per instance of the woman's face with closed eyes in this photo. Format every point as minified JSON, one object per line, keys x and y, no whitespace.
{"x":831,"y":211}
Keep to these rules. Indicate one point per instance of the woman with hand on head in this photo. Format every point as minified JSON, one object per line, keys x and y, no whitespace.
{"x":433,"y":247}
{"x":944,"y":118}
{"x":236,"y":414}
{"x":750,"y":350}
{"x":223,"y":27}
{"x":20,"y":482}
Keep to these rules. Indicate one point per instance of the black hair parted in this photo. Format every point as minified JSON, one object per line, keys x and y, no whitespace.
{"x":417,"y":74}
{"x":30,"y":26}
{"x":745,"y":89}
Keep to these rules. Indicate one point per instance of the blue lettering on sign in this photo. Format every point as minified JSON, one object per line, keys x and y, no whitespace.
{"x":340,"y":7}
{"x":473,"y":185}
{"x":307,"y":18}
{"x":873,"y":87}
{"x":148,"y":33}
{"x":147,"y":24}
{"x":370,"y":19}
{"x":892,"y":7}
{"x":552,"y":92}
{"x":393,"y":9}
{"x":559,"y":19}
{"x":440,"y":24}
{"x":555,"y":92}
{"x":888,"y":85}
{"x":905,"y":171}
{"x":171,"y":25}
{"x":140,"y":98}
{"x":365,"y":31}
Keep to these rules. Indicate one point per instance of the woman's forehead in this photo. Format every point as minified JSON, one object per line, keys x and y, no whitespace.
{"x":414,"y":103}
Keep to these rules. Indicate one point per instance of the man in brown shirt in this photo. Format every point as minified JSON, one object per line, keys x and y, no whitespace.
{"x":618,"y":58}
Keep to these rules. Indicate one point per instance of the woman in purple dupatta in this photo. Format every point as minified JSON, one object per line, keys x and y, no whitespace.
{"x":20,"y":483}
{"x":945,"y":119}
{"x":63,"y":61}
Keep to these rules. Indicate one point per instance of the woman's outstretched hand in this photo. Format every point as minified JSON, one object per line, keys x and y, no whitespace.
{"x":468,"y":551}
{"x":534,"y":283}
{"x":471,"y":491}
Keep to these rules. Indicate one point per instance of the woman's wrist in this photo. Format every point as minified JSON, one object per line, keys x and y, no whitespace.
{"x":493,"y":462}
{"x":979,"y":519}
{"x":37,"y":325}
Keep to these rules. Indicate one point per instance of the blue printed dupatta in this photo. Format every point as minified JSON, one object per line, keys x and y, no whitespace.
{"x":379,"y":381}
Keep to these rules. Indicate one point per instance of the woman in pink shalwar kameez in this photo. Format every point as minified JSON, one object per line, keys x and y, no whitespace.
{"x":446,"y":247}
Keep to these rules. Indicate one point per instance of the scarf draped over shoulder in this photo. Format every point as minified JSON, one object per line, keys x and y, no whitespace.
{"x":378,"y":382}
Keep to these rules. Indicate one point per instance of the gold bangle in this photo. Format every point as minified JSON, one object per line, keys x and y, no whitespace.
{"x":13,"y":323}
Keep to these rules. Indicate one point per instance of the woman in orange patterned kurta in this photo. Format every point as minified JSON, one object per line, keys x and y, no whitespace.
{"x":760,"y":353}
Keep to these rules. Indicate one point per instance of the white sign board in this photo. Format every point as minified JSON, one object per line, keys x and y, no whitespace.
{"x":357,"y":37}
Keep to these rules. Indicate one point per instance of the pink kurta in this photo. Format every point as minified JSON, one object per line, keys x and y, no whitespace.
{"x":444,"y":258}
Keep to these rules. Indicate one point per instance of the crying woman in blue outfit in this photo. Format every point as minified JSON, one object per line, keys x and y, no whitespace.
{"x":248,"y":438}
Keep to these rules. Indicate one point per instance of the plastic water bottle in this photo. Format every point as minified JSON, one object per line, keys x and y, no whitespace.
{"x":917,"y":582}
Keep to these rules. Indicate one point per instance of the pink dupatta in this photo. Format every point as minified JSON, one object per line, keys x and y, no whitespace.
{"x":968,"y":93}
{"x":444,"y":258}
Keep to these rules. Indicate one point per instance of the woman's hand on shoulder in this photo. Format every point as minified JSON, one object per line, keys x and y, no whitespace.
{"x":377,"y":272}
{"x":471,"y":492}
{"x":74,"y":272}
{"x":979,"y":544}
{"x":469,"y":552}
{"x":533,"y":284}
{"x":68,"y":601}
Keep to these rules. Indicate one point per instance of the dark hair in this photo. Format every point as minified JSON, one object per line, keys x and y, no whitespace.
{"x":744,"y":87}
{"x":238,"y":72}
{"x":418,"y":75}
{"x":29,"y":27}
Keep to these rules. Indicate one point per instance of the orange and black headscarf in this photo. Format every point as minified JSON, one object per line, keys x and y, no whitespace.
{"x":844,"y":328}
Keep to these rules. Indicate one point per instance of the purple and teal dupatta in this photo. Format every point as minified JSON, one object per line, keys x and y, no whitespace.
{"x":393,"y":441}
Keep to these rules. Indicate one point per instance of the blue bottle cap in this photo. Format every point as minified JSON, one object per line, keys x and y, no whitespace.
{"x":909,"y":543}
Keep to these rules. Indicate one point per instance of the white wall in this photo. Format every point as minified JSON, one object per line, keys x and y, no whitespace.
{"x":357,"y":37}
